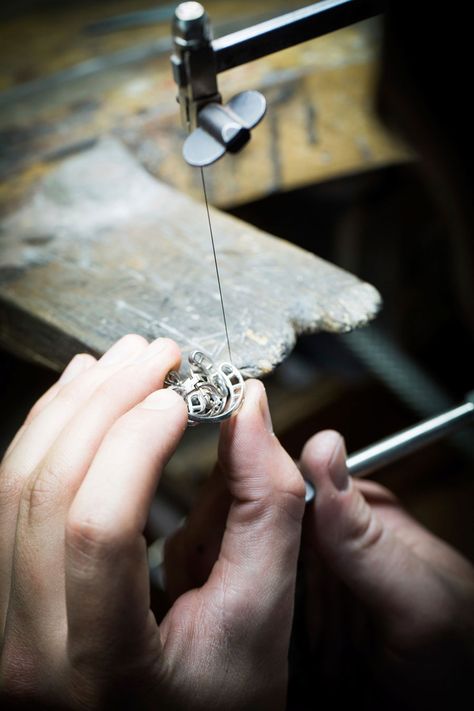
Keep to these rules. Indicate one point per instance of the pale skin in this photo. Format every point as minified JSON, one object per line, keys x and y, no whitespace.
{"x":75,"y":488}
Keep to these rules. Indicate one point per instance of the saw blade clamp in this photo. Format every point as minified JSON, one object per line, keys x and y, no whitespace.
{"x":214,"y":128}
{"x":212,"y":392}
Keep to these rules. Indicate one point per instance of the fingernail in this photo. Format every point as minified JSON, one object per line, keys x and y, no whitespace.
{"x":121,"y":351}
{"x":161,"y":400}
{"x":153,"y":349}
{"x":76,"y":366}
{"x":337,"y":467}
{"x":265,"y":412}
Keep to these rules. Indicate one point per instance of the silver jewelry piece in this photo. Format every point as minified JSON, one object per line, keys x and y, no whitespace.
{"x":212,"y":393}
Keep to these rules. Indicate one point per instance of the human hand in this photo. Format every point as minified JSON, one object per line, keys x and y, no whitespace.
{"x":231,"y":570}
{"x":384,"y":593}
{"x":76,"y":486}
{"x":387,"y":606}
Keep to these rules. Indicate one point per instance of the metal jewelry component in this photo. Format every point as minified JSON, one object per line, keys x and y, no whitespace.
{"x":212,"y":393}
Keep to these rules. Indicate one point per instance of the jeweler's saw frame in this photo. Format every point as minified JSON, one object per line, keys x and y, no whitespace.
{"x":215,"y":128}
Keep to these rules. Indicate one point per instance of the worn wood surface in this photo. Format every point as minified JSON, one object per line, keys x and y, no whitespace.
{"x":103,"y":249}
{"x":320,"y":123}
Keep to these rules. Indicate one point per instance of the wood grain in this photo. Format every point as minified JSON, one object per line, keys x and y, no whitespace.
{"x":103,"y":249}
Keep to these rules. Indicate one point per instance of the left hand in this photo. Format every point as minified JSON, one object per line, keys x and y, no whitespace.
{"x":75,"y":489}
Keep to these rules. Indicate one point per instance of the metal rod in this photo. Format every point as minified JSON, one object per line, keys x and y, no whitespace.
{"x":290,"y":29}
{"x":408,"y":441}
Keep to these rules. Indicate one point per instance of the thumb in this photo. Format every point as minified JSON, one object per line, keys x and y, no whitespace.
{"x":375,"y":562}
{"x":260,"y":545}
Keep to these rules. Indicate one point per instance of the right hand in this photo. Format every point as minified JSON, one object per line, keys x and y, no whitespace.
{"x":389,"y":607}
{"x":414,"y":593}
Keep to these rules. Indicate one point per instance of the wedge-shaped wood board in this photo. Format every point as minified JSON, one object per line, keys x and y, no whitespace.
{"x":103,"y":249}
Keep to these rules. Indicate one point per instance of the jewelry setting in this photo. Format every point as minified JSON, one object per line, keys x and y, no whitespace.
{"x":212,"y":392}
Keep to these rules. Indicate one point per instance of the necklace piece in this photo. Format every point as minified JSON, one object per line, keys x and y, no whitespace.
{"x":212,"y":393}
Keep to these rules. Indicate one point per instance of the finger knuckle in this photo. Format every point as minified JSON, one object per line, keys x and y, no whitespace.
{"x":128,"y":428}
{"x":290,"y":494}
{"x":171,"y":346}
{"x":132,"y":345}
{"x":292,"y":504}
{"x":273,"y":507}
{"x":92,"y":537}
{"x":111,"y":390}
{"x":363,"y":529}
{"x":273,"y":497}
{"x":66,"y":399}
{"x":134,"y":339}
{"x":295,"y":485}
{"x":113,"y":395}
{"x":40,"y":491}
{"x":83,"y":360}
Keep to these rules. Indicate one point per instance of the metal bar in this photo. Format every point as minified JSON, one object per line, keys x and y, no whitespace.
{"x":290,"y":29}
{"x":408,"y":441}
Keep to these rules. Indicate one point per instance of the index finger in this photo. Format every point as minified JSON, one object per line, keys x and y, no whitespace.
{"x":107,"y":583}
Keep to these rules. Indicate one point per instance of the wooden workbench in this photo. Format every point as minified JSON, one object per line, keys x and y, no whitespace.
{"x":103,"y":249}
{"x":93,"y":246}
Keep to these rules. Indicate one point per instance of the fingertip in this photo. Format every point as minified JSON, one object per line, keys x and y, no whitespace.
{"x":169,"y":350}
{"x":124,"y":349}
{"x":175,"y":353}
{"x":88,"y":359}
{"x":344,"y":528}
{"x":253,"y":419}
{"x":160,"y":348}
{"x":78,"y":364}
{"x":164,"y":344}
{"x":319,"y":450}
{"x":169,"y":343}
{"x":323,"y":460}
{"x":251,"y":454}
{"x":163,"y":399}
{"x":254,"y":392}
{"x":257,"y":403}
